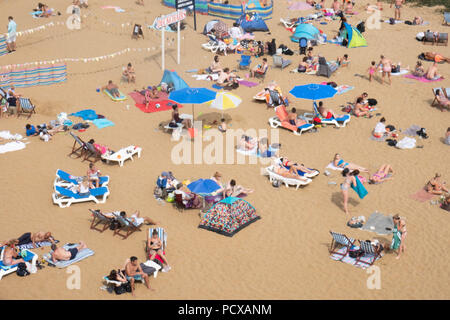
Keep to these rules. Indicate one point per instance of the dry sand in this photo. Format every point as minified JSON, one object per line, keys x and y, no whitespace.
{"x":282,"y":256}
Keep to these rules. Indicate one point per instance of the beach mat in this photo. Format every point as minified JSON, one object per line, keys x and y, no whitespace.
{"x":164,"y":105}
{"x":333,"y":167}
{"x":83,"y":254}
{"x":422,"y":196}
{"x":248,"y":83}
{"x":103,"y":123}
{"x":352,"y":261}
{"x":379,"y":223}
{"x":38,"y":245}
{"x":121,"y":98}
{"x":421,"y":79}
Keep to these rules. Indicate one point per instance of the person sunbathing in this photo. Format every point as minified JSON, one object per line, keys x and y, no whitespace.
{"x":190,"y":200}
{"x":433,"y":56}
{"x":340,"y":163}
{"x":360,"y":109}
{"x":45,"y":11}
{"x":117,"y":275}
{"x":260,"y":68}
{"x":417,"y":21}
{"x":435,"y":186}
{"x":287,"y":173}
{"x":217,"y":178}
{"x":382,"y":130}
{"x":101,"y":148}
{"x":129,"y":73}
{"x":304,"y":66}
{"x":61,"y":254}
{"x":133,"y":272}
{"x":176,"y":117}
{"x":294,"y":120}
{"x":233,"y":190}
{"x":383,"y":174}
{"x":155,"y":248}
{"x":34,"y":238}
{"x":432,"y":72}
{"x":136,"y":219}
{"x":226,"y":78}
{"x":419,"y":71}
{"x":247,"y":143}
{"x":93,"y":175}
{"x":326,"y":113}
{"x":442,"y":99}
{"x":10,"y":254}
{"x":288,"y":164}
{"x":112,"y":88}
{"x":83,"y":188}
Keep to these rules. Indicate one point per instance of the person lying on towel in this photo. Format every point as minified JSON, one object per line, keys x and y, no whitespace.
{"x":61,"y":254}
{"x":33,"y":238}
{"x":112,"y":88}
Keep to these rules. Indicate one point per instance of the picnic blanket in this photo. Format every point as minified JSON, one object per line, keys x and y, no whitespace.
{"x":347,"y":259}
{"x":421,"y":79}
{"x":83,"y":254}
{"x":156,"y":105}
{"x":87,"y":114}
{"x":38,"y":245}
{"x":412,"y":131}
{"x":379,"y":223}
{"x":103,"y":123}
{"x":422,"y":195}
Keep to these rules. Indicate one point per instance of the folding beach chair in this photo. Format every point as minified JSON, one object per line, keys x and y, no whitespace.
{"x":178,"y":203}
{"x":278,"y":61}
{"x":302,"y":45}
{"x":91,"y":152}
{"x":161,"y":235}
{"x":341,"y":240}
{"x":64,"y":197}
{"x":369,"y":250}
{"x":261,"y":75}
{"x":245,"y":62}
{"x":79,"y":146}
{"x":446,"y":18}
{"x":99,"y":218}
{"x":26,"y":107}
{"x":436,"y":102}
{"x":126,"y":226}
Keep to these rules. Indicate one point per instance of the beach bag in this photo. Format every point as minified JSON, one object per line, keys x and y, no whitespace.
{"x":361,"y":27}
{"x":22,"y":270}
{"x":372,"y":102}
{"x":420,"y":36}
{"x":123,"y":288}
{"x":391,"y":142}
{"x":114,"y":225}
{"x":408,"y":22}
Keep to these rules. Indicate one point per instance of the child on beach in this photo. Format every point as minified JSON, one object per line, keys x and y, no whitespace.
{"x":372,"y":70}
{"x":93,"y":175}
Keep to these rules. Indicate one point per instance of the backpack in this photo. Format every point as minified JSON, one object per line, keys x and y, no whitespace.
{"x":123,"y":288}
{"x":22,"y":270}
{"x":361,"y":27}
{"x":372,"y":102}
{"x":114,"y":225}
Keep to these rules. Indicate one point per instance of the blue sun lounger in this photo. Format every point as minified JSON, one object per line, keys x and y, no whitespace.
{"x":26,"y":255}
{"x":64,"y":179}
{"x":65,"y":197}
{"x":338,"y":122}
{"x":83,"y":254}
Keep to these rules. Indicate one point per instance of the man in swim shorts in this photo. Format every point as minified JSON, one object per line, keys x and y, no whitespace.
{"x":112,"y":88}
{"x":61,"y":254}
{"x":397,"y":4}
{"x":33,"y":238}
{"x":133,"y":272}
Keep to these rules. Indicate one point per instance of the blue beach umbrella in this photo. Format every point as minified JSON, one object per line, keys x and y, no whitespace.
{"x":203,"y":187}
{"x":313,"y":91}
{"x":193,"y":96}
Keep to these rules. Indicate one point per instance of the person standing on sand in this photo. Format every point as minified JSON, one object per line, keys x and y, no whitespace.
{"x":397,"y":4}
{"x":386,"y":68}
{"x":399,"y":235}
{"x":11,"y":36}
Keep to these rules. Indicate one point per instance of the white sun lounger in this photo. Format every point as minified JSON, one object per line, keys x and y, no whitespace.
{"x":123,"y":154}
{"x":4,"y":270}
{"x":64,"y":197}
{"x":287,"y":181}
{"x":182,"y":116}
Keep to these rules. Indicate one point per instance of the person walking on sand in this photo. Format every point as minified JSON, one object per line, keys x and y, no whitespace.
{"x":11,"y":36}
{"x":397,"y":4}
{"x":399,"y":235}
{"x":386,"y":68}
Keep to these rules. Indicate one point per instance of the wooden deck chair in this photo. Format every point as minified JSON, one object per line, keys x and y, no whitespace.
{"x":340,"y":240}
{"x":79,"y":146}
{"x":26,"y":107}
{"x":91,"y":153}
{"x":99,"y":218}
{"x":178,"y":203}
{"x":436,"y":102}
{"x":368,"y":249}
{"x":125,"y":226}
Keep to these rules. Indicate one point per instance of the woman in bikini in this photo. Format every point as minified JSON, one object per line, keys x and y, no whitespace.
{"x":340,"y":163}
{"x":288,"y":164}
{"x":287,"y":173}
{"x":435,"y":186}
{"x":176,"y":117}
{"x":384,"y":173}
{"x":155,"y":245}
{"x":247,"y":143}
{"x":349,"y":180}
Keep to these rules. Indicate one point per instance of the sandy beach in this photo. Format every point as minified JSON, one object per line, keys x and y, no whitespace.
{"x":285,"y":254}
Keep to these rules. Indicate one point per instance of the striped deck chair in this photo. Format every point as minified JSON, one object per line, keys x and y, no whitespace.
{"x":446,"y":18}
{"x":369,"y":250}
{"x":26,"y":107}
{"x":163,"y":236}
{"x":79,"y":147}
{"x":99,"y":218}
{"x":341,"y":240}
{"x":125,"y":226}
{"x":91,"y":153}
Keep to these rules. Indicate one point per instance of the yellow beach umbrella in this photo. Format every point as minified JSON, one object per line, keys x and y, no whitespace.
{"x":225,"y":100}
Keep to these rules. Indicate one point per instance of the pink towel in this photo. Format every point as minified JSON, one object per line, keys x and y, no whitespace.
{"x":422,"y":195}
{"x":421,"y":79}
{"x":299,"y":6}
{"x":248,"y":83}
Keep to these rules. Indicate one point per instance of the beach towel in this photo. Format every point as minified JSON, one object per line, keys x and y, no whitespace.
{"x":359,"y":188}
{"x":349,"y":260}
{"x":422,"y":195}
{"x":406,"y":143}
{"x":208,"y":77}
{"x":38,"y":245}
{"x":103,"y":123}
{"x":421,"y":79}
{"x":117,"y":9}
{"x":247,"y":83}
{"x":140,"y":99}
{"x":379,"y":223}
{"x":402,"y":72}
{"x":396,"y":21}
{"x":300,"y":6}
{"x":120,"y":98}
{"x":9,"y":136}
{"x":12,"y":146}
{"x":341,"y":89}
{"x":412,"y":131}
{"x":87,"y":114}
{"x":157,"y":105}
{"x":83,"y":254}
{"x":333,"y":167}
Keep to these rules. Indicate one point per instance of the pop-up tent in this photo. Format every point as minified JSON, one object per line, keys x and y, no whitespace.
{"x":354,"y":37}
{"x":229,"y":216}
{"x":251,"y":22}
{"x":173,"y":80}
{"x":305,"y":30}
